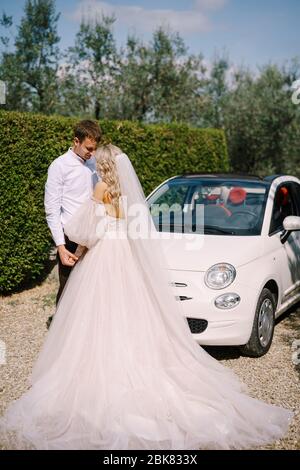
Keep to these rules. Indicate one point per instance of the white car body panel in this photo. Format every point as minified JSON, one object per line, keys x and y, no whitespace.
{"x":257,"y":260}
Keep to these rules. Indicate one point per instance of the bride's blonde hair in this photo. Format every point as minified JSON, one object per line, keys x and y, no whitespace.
{"x":106,"y":166}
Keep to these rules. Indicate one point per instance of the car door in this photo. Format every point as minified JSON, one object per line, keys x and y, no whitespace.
{"x":288,"y":253}
{"x":296,"y":235}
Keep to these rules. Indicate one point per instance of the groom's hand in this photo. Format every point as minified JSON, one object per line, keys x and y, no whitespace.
{"x":66,"y":257}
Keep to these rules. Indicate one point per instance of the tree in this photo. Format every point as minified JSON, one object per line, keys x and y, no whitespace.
{"x":31,"y":69}
{"x":260,"y":119}
{"x":177,"y":79}
{"x":91,"y":66}
{"x":159,"y":81}
{"x":133,"y":84}
{"x":215,"y":90}
{"x":6,"y":22}
{"x":74,"y":97}
{"x":16,"y":93}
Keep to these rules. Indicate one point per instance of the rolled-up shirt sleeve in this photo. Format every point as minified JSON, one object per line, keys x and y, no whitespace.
{"x":53,"y":201}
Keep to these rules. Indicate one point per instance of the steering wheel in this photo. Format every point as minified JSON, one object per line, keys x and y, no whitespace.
{"x":241,"y":212}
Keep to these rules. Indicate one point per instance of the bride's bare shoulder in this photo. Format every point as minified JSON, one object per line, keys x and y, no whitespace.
{"x":99,"y":190}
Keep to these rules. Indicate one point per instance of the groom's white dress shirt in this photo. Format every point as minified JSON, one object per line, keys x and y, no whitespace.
{"x":70,"y":182}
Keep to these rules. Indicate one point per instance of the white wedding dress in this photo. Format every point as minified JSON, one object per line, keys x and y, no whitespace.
{"x":119,"y":368}
{"x":114,"y":374}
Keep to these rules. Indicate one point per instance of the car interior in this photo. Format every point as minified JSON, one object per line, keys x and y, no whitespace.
{"x":227,"y":206}
{"x":283,"y":207}
{"x":234,"y":206}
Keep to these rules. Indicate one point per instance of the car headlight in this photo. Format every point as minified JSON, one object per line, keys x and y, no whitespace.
{"x":219,"y":276}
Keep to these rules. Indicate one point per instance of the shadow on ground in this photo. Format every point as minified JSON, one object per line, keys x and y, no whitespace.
{"x":223,"y":352}
{"x":291,"y":317}
{"x":292,"y":320}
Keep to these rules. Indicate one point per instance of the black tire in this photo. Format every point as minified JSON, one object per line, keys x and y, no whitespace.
{"x":259,"y":343}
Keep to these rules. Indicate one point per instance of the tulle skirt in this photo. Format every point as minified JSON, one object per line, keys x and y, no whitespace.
{"x":111,"y":375}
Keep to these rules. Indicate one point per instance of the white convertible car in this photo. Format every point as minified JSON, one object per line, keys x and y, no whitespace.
{"x":233,"y":247}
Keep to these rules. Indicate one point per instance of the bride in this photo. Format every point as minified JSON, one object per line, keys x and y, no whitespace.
{"x":119,"y":368}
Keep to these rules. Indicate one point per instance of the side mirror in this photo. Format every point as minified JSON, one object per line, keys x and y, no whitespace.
{"x":291,"y":223}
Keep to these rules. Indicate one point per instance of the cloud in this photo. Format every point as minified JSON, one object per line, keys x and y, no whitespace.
{"x":210,"y":4}
{"x":146,"y":20}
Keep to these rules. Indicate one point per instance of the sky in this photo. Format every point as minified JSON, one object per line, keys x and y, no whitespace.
{"x":250,"y":32}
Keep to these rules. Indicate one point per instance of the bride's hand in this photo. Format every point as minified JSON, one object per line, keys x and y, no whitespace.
{"x":80,"y":251}
{"x":66,"y":257}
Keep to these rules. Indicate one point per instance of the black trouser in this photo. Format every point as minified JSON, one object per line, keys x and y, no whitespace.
{"x":64,"y":271}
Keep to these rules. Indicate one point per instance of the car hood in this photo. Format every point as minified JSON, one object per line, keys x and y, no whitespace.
{"x":192,"y":255}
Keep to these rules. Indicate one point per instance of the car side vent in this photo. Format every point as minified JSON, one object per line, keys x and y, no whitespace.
{"x":197,"y":325}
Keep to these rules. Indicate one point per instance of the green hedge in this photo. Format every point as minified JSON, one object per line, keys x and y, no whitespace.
{"x":30,"y":142}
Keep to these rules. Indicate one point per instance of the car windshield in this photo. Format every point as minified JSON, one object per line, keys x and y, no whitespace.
{"x":211,"y":206}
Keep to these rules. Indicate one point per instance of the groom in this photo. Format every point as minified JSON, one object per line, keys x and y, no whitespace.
{"x":71,"y":179}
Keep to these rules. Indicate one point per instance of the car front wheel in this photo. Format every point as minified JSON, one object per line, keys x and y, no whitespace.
{"x":263,"y":326}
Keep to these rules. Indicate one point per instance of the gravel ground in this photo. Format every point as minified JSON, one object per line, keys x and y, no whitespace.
{"x":273,"y":378}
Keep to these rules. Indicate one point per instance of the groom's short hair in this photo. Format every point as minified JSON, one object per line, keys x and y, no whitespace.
{"x":89,"y":129}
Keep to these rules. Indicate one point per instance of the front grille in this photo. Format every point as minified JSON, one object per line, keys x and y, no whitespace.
{"x":197,"y":325}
